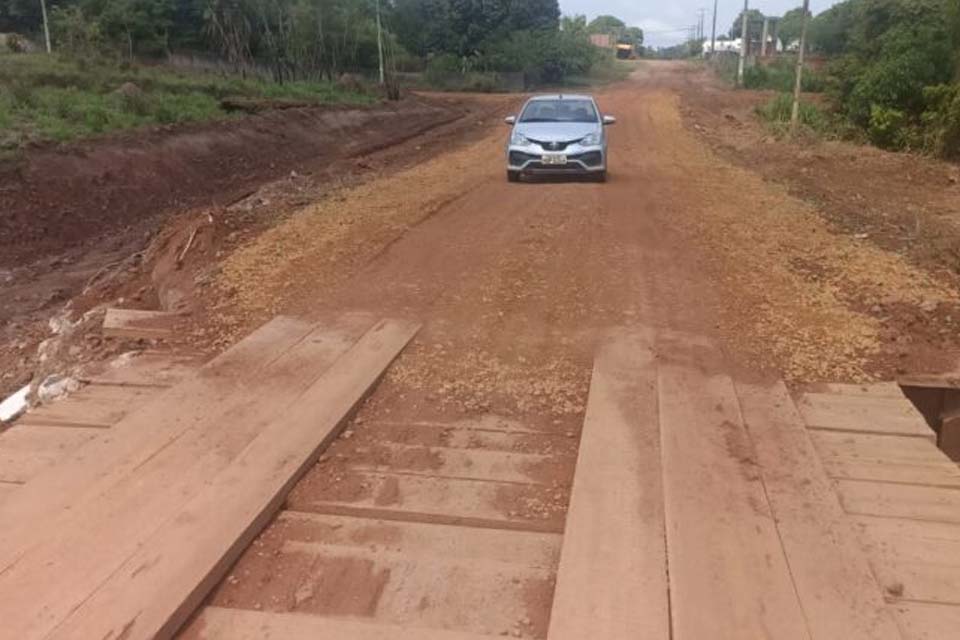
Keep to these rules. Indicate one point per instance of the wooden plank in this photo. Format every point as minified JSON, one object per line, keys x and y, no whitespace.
{"x":935,"y":474}
{"x":227,"y":382}
{"x":919,"y":581}
{"x":416,"y":539}
{"x":236,"y":624}
{"x":612,"y":580}
{"x":423,"y":575}
{"x":863,"y":414}
{"x":900,"y":501}
{"x":92,"y":406}
{"x":729,"y":579}
{"x":880,"y":389}
{"x":7,"y":489}
{"x":867,"y":447}
{"x":135,"y":324}
{"x":920,"y":561}
{"x":167,"y":575}
{"x":950,"y":438}
{"x":839,"y":595}
{"x":454,"y":501}
{"x":117,"y":519}
{"x":930,"y":381}
{"x":920,"y":621}
{"x":917,"y":532}
{"x":145,"y":369}
{"x":468,"y":464}
{"x":25,"y":451}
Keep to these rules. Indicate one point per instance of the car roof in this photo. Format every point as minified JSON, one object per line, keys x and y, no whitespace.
{"x":561,"y":96}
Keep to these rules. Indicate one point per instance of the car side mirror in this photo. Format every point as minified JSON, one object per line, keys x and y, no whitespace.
{"x":510,"y":120}
{"x":609,"y":120}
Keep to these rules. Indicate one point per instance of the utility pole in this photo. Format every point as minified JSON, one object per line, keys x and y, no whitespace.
{"x":46,"y":25}
{"x":766,"y":34}
{"x":713,"y":36}
{"x":795,"y":116}
{"x":744,"y":42}
{"x":383,"y":74}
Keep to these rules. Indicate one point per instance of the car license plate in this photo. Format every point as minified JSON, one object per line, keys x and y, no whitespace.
{"x":554,"y":159}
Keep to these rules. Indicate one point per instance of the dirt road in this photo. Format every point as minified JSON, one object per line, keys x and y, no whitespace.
{"x":515,"y":285}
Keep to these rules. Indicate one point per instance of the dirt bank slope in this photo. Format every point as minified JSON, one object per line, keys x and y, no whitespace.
{"x":55,"y":199}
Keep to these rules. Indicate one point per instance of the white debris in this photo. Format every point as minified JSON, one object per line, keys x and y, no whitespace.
{"x":15,"y":405}
{"x":55,"y":387}
{"x":61,"y":324}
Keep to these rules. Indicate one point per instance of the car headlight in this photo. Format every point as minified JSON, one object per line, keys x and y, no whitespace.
{"x":519,"y":140}
{"x":591,"y":140}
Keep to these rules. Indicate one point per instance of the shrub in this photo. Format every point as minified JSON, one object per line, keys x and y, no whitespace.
{"x":781,"y":75}
{"x":941,"y":120}
{"x":779,"y":110}
{"x":441,"y":68}
{"x":22,"y":95}
{"x":16,"y":43}
{"x":888,"y":127}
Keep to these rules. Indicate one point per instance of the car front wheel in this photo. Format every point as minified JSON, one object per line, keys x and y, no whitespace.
{"x":513,"y":176}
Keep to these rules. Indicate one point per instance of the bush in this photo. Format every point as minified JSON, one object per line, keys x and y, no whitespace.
{"x":781,"y":75}
{"x":441,"y":68}
{"x":16,"y":43}
{"x":888,"y":127}
{"x":779,"y":110}
{"x":22,"y":95}
{"x":941,"y":121}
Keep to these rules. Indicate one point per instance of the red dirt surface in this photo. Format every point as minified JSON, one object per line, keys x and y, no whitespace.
{"x":57,"y":199}
{"x":103,"y":222}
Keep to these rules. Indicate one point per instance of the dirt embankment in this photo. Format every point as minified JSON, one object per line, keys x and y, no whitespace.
{"x":105,"y":222}
{"x":885,"y":207}
{"x":56,"y":199}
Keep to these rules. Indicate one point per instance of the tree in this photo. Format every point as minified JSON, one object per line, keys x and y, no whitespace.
{"x":610,"y":25}
{"x":791,"y":24}
{"x":754,"y":25}
{"x":830,"y":30}
{"x":534,"y":15}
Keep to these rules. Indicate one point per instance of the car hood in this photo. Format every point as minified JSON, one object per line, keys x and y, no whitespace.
{"x":557,"y":131}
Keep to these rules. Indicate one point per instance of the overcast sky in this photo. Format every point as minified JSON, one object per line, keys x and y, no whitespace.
{"x":660,"y":19}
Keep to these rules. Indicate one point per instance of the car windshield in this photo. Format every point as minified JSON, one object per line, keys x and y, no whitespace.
{"x":559,"y":111}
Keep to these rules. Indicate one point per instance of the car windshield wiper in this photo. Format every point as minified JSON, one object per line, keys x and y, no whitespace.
{"x":535,"y":120}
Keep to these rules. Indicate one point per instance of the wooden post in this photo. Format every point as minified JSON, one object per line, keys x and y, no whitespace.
{"x":383,"y":76}
{"x":795,"y":117}
{"x":744,"y":43}
{"x":713,"y":35}
{"x":766,"y":34}
{"x":46,"y":25}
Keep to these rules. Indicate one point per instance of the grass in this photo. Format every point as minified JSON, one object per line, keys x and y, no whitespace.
{"x":779,"y":111}
{"x":45,"y":98}
{"x":779,"y":75}
{"x":607,"y":71}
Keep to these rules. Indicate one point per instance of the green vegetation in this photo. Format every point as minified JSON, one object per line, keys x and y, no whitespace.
{"x":781,"y":75}
{"x":892,"y":76}
{"x":778,"y":112}
{"x":47,"y":98}
{"x":895,"y":72}
{"x":308,"y":40}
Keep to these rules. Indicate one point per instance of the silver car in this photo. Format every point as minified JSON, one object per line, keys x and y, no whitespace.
{"x":558,"y":135}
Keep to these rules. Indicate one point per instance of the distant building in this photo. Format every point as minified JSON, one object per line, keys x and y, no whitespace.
{"x":724,"y":45}
{"x":604,"y":41}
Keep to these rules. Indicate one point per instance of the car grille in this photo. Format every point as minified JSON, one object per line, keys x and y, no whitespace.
{"x":554,"y":146}
{"x":590,"y":159}
{"x":517,"y":158}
